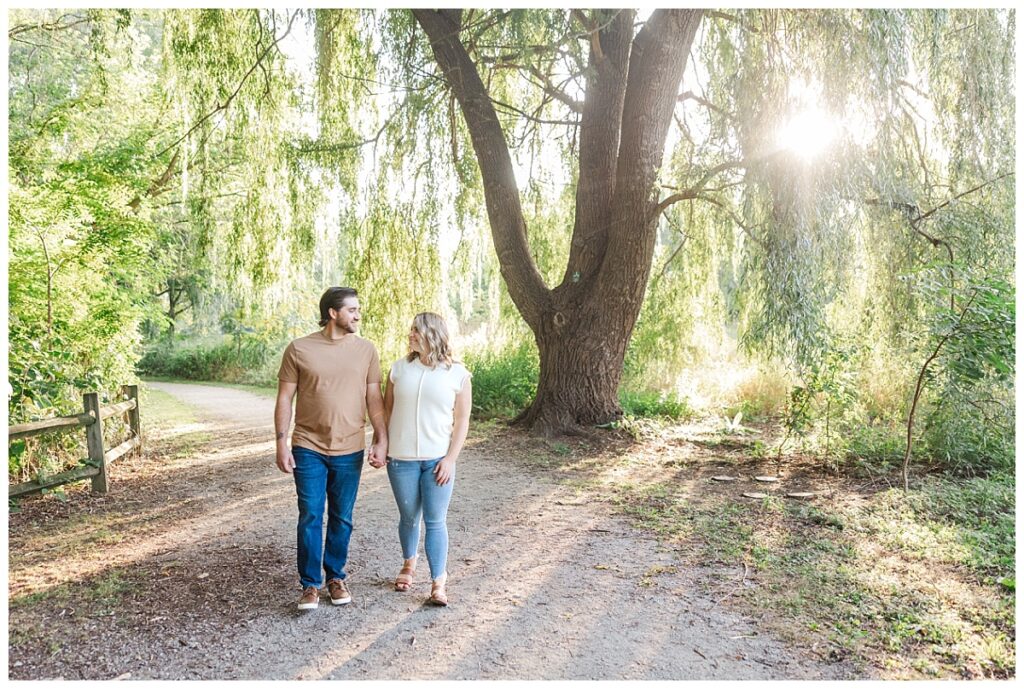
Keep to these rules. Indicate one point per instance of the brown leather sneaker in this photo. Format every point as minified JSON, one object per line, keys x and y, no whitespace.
{"x":310,"y":598}
{"x":339,"y":592}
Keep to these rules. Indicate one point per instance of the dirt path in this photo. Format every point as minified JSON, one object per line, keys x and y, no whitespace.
{"x":544,"y":585}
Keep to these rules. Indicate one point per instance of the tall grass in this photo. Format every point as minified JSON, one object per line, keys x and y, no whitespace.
{"x":505,"y":381}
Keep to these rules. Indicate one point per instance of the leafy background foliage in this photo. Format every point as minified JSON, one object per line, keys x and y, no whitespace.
{"x":184,"y":183}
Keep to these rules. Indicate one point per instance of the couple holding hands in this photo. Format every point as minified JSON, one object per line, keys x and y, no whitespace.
{"x":419,"y":426}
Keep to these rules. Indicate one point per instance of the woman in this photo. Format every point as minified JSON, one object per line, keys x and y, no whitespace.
{"x":427,"y":403}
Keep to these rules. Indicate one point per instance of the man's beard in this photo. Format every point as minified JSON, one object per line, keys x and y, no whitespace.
{"x":350,"y":327}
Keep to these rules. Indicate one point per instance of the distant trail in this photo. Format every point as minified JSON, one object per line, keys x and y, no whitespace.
{"x":543,"y":584}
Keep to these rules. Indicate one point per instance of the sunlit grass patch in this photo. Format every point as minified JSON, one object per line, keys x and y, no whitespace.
{"x":163,"y":411}
{"x":173,"y":424}
{"x":654,"y":506}
{"x":108,"y":588}
{"x":98,"y":596}
{"x":906,"y":583}
{"x":903,"y":598}
{"x":56,"y":594}
{"x":903,"y":585}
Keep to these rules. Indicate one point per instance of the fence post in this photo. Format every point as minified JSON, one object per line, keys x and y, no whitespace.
{"x":94,"y":438}
{"x":131,"y":392}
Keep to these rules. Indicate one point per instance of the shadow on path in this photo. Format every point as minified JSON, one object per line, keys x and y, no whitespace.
{"x":193,"y":577}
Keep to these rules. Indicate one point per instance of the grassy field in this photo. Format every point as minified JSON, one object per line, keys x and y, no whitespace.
{"x":255,"y":389}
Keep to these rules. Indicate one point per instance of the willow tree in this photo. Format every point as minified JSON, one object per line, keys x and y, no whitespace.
{"x":620,"y":95}
{"x":582,"y":326}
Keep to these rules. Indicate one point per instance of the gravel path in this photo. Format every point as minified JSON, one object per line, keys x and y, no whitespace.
{"x":543,"y":584}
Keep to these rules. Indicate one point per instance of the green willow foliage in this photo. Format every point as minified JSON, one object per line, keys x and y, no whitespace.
{"x":186,"y":176}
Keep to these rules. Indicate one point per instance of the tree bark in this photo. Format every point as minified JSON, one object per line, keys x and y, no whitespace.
{"x":583,"y":326}
{"x":580,"y":372}
{"x":600,"y":126}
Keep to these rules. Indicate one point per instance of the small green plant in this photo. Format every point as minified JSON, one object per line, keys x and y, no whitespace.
{"x":651,"y":404}
{"x":561,"y":449}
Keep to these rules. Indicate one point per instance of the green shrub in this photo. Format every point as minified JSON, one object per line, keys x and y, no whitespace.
{"x":969,"y":437}
{"x":878,"y":447}
{"x":650,"y":403}
{"x":504,"y":382}
{"x":238,"y":360}
{"x":47,"y":375}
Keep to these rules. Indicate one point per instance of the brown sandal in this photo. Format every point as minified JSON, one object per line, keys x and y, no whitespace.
{"x":404,"y":579}
{"x":438,"y":596}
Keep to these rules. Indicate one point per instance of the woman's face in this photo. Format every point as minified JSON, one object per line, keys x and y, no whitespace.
{"x":416,"y":343}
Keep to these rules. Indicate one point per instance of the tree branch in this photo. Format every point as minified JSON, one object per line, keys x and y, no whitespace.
{"x":716,"y":14}
{"x":595,"y":39}
{"x":158,"y":184}
{"x":555,"y":92}
{"x":532,"y":118}
{"x":600,"y":132}
{"x":690,"y":95}
{"x":915,"y":217}
{"x":747,"y":230}
{"x":671,"y":258}
{"x":333,"y":148}
{"x":694,"y":191}
{"x":926,"y":215}
{"x":657,"y":59}
{"x":52,"y":26}
{"x":504,"y":209}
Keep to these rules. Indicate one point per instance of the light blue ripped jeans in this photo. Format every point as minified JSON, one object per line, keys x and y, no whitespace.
{"x":417,"y":493}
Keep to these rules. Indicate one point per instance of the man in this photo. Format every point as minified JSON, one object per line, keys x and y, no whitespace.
{"x":336,"y":374}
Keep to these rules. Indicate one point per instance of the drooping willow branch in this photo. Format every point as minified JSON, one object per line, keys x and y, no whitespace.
{"x":915,"y":216}
{"x":227,"y":103}
{"x":697,"y":189}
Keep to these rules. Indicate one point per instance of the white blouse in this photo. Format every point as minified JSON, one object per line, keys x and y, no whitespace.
{"x":423,"y":414}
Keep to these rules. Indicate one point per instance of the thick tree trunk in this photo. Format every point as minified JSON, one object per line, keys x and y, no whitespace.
{"x":580,"y":371}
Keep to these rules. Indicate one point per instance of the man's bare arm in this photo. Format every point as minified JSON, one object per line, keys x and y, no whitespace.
{"x":375,"y":410}
{"x":282,"y":420}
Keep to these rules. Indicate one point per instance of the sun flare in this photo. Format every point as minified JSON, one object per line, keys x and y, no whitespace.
{"x":808,"y":133}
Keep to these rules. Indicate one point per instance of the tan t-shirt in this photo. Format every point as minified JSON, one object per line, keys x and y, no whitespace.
{"x":332,"y":375}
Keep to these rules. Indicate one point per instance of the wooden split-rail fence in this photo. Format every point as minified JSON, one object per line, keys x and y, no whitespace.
{"x":99,"y":459}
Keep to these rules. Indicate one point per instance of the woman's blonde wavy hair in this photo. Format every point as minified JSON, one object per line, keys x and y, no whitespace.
{"x":433,"y":331}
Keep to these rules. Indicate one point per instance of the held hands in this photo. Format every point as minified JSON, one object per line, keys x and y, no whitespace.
{"x":443,"y":471}
{"x":378,"y":455}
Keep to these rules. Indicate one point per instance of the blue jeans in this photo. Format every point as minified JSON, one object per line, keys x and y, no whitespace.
{"x":417,"y":493}
{"x":336,"y":479}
